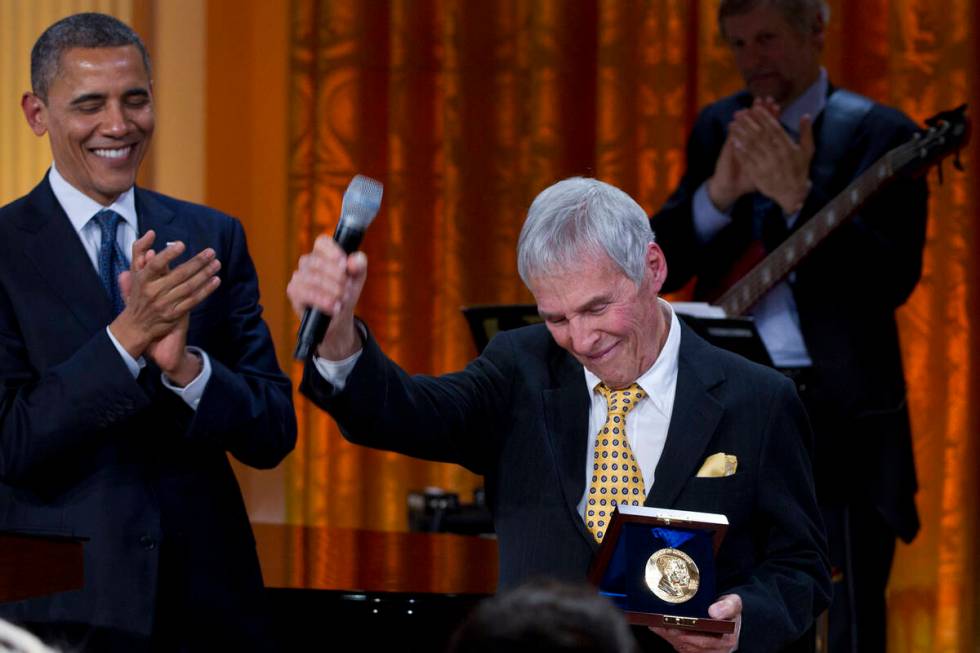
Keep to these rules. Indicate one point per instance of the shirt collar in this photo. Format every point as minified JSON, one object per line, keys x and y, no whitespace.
{"x":660,"y":376}
{"x":811,"y":101}
{"x":80,"y":208}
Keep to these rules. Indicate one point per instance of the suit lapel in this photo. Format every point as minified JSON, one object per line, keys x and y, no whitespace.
{"x":694,"y":418}
{"x":693,"y":421}
{"x":53,"y":246}
{"x":566,"y":411}
{"x":154,"y":215}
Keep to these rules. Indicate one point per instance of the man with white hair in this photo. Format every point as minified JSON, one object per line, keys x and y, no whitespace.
{"x":547,"y":415}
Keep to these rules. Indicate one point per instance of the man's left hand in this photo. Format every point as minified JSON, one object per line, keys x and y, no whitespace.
{"x":169,"y":352}
{"x":728,"y":606}
{"x":779,"y":167}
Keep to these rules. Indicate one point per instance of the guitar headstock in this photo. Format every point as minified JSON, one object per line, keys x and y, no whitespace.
{"x":948,"y":132}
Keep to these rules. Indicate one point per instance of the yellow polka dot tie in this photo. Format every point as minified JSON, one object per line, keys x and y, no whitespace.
{"x":616,"y":476}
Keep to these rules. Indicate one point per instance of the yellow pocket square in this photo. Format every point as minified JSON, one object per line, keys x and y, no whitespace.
{"x":717,"y":465}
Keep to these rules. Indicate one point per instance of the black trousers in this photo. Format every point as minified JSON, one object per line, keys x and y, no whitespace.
{"x":861,"y":544}
{"x":862,"y":547}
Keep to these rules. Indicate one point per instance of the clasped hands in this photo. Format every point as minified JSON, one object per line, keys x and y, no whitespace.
{"x":158,"y":305}
{"x":759,"y":156}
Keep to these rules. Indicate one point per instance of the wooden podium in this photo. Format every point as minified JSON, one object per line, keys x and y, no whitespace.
{"x":34,"y":565}
{"x":391,"y":590}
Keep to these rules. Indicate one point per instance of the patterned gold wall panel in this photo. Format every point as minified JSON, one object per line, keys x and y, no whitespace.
{"x":179,"y":47}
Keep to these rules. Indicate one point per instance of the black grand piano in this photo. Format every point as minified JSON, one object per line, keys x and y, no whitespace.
{"x":406,"y":591}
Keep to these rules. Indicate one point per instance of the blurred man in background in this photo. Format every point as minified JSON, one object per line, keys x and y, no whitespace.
{"x":760,"y":164}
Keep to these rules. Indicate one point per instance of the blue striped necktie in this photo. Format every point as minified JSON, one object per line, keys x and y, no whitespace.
{"x":112,"y":261}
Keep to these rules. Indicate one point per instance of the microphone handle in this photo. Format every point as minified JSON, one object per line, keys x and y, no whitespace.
{"x":314,"y":324}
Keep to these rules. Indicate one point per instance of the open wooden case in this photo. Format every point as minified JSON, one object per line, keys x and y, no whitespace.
{"x":658,"y":565}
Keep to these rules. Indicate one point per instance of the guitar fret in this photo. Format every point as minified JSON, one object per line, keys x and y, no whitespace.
{"x":782,"y":260}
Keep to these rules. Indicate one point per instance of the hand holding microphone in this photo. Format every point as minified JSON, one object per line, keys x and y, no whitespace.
{"x":328,"y":281}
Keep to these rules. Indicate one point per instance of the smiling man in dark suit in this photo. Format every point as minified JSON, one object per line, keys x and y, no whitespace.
{"x":612,"y":399}
{"x":125,"y":382}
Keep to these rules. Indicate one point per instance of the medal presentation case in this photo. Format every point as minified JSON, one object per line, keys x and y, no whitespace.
{"x":658,"y":566}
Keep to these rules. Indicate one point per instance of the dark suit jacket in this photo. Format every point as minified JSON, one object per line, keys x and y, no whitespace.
{"x":846,"y":292}
{"x":518,"y":414}
{"x":87,"y":450}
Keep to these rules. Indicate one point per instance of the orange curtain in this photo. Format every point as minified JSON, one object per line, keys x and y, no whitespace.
{"x":465,"y":109}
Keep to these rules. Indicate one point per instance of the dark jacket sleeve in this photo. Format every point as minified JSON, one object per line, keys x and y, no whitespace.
{"x":47,"y":418}
{"x":452,"y":418}
{"x":790,"y":585}
{"x":247,"y":406}
{"x":673,"y":224}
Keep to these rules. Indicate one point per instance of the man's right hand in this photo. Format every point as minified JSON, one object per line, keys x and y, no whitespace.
{"x":729,"y":181}
{"x":331,"y":282}
{"x":158,"y":298}
{"x":778,"y":166}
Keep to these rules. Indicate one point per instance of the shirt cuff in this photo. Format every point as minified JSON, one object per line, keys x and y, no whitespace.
{"x":708,"y":220}
{"x":336,"y":372}
{"x":791,"y":219}
{"x":193,"y":391}
{"x":134,"y":365}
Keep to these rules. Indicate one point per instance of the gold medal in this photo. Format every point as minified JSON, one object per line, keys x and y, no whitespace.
{"x":672,"y":575}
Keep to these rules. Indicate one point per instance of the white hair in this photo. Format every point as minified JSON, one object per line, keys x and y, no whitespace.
{"x":580,"y":217}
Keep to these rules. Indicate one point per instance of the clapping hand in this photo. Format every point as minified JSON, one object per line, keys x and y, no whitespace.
{"x":158,"y":305}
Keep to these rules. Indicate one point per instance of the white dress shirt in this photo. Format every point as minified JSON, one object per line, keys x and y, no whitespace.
{"x":776,"y":315}
{"x":80,"y":209}
{"x":648,"y":421}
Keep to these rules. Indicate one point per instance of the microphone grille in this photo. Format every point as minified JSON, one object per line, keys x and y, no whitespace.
{"x":362,"y":199}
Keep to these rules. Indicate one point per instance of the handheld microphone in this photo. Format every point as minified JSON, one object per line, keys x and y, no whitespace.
{"x":362,"y":199}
